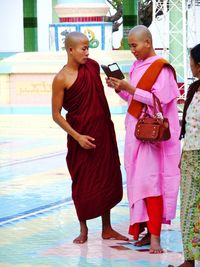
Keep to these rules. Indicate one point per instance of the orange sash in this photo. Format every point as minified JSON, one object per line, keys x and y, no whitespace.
{"x":146,"y":82}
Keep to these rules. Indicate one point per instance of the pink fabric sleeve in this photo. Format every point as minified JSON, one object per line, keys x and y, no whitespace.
{"x":143,"y":97}
{"x":165,"y":88}
{"x":124,"y":95}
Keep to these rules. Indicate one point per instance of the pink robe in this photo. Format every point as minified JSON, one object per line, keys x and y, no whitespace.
{"x":152,"y":168}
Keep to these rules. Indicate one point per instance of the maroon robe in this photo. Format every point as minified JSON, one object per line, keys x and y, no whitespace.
{"x":95,"y":173}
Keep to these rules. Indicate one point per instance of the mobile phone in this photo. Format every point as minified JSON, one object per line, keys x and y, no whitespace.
{"x":113,"y":70}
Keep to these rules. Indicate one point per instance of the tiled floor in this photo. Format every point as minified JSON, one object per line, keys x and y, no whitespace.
{"x":37,"y":216}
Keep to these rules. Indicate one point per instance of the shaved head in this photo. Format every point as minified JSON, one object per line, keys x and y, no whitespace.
{"x":140,"y":42}
{"x":141,"y":32}
{"x":73,"y":39}
{"x":77,"y":47}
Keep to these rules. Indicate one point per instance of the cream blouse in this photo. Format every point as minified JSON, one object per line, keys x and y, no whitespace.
{"x":192,"y":136}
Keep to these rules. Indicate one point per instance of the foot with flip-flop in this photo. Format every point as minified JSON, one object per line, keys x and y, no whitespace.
{"x":153,"y":241}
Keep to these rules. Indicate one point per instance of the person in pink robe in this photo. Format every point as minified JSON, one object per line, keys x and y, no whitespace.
{"x":151,"y":168}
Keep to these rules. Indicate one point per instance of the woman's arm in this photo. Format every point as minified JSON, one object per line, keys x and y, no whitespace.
{"x":125,"y":89}
{"x":165,"y":88}
{"x":123,"y":94}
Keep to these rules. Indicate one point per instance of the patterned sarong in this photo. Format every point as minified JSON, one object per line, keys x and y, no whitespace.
{"x":190,"y":204}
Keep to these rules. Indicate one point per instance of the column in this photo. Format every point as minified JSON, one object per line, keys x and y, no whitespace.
{"x":177,"y":37}
{"x":30,"y":25}
{"x":130,"y":19}
{"x":55,"y":18}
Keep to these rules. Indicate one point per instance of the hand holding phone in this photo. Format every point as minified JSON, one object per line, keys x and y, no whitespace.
{"x":113,"y":70}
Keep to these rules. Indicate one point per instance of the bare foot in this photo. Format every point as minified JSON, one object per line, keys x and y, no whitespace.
{"x":144,"y":241}
{"x":155,"y":247}
{"x":82,"y":238}
{"x":112,"y":234}
{"x":185,"y":264}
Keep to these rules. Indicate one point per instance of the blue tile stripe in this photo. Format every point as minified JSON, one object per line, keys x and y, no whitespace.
{"x":34,"y":212}
{"x":7,"y":54}
{"x":32,"y":159}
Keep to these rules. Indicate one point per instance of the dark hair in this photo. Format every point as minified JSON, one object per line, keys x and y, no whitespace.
{"x":195,"y":53}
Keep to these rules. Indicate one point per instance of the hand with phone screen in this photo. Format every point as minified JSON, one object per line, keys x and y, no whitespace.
{"x":113,"y":70}
{"x":116,"y":79}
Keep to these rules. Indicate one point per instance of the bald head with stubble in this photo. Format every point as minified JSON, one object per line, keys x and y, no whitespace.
{"x":140,"y":42}
{"x":75,"y":38}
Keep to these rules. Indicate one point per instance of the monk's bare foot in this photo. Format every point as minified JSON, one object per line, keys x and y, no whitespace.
{"x":82,"y":238}
{"x":155,"y":247}
{"x":144,"y":241}
{"x":185,"y":264}
{"x":112,"y":234}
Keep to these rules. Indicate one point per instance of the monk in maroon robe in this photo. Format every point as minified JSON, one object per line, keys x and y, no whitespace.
{"x":92,"y":157}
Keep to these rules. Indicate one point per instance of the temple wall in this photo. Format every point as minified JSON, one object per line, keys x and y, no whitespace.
{"x":26,"y":78}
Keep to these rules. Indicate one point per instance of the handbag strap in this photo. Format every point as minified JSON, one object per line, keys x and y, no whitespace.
{"x":156,"y":99}
{"x":156,"y":102}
